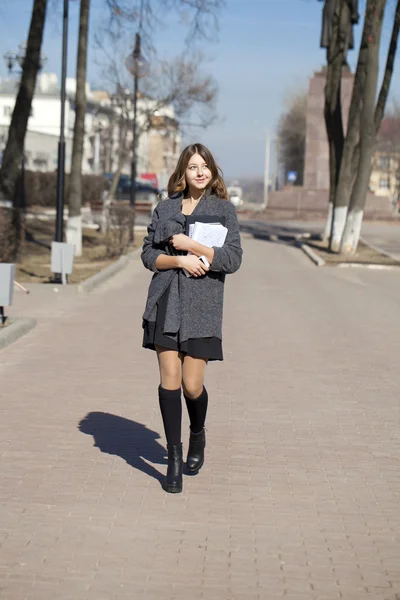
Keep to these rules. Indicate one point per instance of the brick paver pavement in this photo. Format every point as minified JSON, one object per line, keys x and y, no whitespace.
{"x":300,"y":494}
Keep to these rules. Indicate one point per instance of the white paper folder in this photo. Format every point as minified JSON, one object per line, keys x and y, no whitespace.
{"x":207,"y":234}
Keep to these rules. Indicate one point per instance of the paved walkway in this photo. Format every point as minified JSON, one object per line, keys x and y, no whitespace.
{"x":300,"y":494}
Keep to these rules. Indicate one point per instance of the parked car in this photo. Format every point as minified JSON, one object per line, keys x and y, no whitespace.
{"x":235,"y":195}
{"x":123,"y":180}
{"x":145,"y":192}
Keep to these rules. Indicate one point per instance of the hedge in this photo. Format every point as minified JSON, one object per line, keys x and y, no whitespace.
{"x":41,"y":188}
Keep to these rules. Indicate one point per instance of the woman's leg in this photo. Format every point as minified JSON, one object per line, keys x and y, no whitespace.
{"x":169,"y":394}
{"x":195,"y":393}
{"x":196,"y":401}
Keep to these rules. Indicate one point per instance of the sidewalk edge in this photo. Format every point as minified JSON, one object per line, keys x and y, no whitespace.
{"x":102,"y":276}
{"x":16,"y":330}
{"x":317,"y":260}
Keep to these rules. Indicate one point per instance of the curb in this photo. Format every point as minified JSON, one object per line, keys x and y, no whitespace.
{"x":368,"y":266}
{"x":317,"y":260}
{"x":379,"y":250}
{"x":102,"y":276}
{"x":17,"y":329}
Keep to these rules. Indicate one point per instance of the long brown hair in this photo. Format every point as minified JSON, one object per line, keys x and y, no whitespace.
{"x":177,"y":181}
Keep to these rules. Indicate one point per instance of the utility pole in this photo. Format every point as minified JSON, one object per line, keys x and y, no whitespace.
{"x":267,"y":170}
{"x":276,"y":164}
{"x":136,"y":65}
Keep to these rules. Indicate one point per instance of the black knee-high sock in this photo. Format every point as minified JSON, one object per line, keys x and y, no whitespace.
{"x":197,"y":410}
{"x":171,"y":411}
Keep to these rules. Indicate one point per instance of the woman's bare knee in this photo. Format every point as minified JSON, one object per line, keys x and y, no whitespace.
{"x":192,"y":389}
{"x":170,"y":367}
{"x":193,"y":376}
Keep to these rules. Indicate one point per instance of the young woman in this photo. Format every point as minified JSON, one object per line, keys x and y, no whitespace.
{"x":183,"y":316}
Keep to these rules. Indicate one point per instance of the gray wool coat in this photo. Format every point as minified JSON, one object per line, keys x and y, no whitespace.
{"x":194,"y":304}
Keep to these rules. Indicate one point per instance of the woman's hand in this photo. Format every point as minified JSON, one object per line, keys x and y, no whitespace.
{"x":193,"y":265}
{"x":180,"y":241}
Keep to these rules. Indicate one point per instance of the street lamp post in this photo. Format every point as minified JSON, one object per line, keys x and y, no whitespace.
{"x":61,"y":144}
{"x":135,"y":65}
{"x":267,"y":170}
{"x":18,"y":58}
{"x":136,"y":56}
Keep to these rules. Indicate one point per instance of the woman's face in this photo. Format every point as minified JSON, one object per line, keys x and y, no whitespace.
{"x":198,"y":174}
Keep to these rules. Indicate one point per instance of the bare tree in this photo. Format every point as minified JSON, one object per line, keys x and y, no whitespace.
{"x":199,"y":16}
{"x":19,"y":121}
{"x":350,"y":177}
{"x":337,"y":37}
{"x":22,"y":109}
{"x":74,"y":228}
{"x":178,"y":83}
{"x":371,"y":114}
{"x":121,"y":100}
{"x":386,"y":161}
{"x":292,"y":135}
{"x":333,"y":103}
{"x":349,"y":159}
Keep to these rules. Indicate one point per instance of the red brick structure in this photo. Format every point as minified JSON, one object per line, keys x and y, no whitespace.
{"x":316,"y":170}
{"x":311,"y":200}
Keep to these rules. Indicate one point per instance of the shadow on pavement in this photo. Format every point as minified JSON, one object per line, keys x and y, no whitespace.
{"x":276,"y":232}
{"x":130,"y":440}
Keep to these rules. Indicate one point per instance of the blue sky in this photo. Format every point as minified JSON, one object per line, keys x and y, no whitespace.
{"x":264,"y":49}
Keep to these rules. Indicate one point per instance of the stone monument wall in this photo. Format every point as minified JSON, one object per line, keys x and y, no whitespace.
{"x":316,"y":169}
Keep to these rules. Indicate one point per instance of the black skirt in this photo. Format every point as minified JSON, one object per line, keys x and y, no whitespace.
{"x":209,"y":348}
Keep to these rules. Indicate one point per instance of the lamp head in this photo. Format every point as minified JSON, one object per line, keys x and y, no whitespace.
{"x":135,"y":62}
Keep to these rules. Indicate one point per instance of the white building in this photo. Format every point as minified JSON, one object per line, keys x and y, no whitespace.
{"x":102,"y":127}
{"x":41,"y":142}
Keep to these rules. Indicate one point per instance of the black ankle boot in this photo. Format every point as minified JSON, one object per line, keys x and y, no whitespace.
{"x":173,"y":483}
{"x":195,"y":457}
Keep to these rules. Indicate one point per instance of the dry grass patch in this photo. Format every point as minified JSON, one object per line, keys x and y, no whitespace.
{"x":35,"y":264}
{"x":365,"y":255}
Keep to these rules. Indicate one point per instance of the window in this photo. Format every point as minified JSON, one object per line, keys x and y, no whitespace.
{"x":40,"y":164}
{"x":384,"y":162}
{"x":40,"y":161}
{"x":384,"y":183}
{"x":7,"y":111}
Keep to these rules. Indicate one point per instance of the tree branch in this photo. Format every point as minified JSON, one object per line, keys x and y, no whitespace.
{"x":381,"y":104}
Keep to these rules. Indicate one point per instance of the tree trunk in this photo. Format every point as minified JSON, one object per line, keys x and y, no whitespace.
{"x":350,"y":156}
{"x":336,"y":56}
{"x":372,"y":30}
{"x":19,"y":122}
{"x":74,"y":227}
{"x":108,"y":147}
{"x":122,"y":154}
{"x":387,"y":78}
{"x":328,"y":223}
